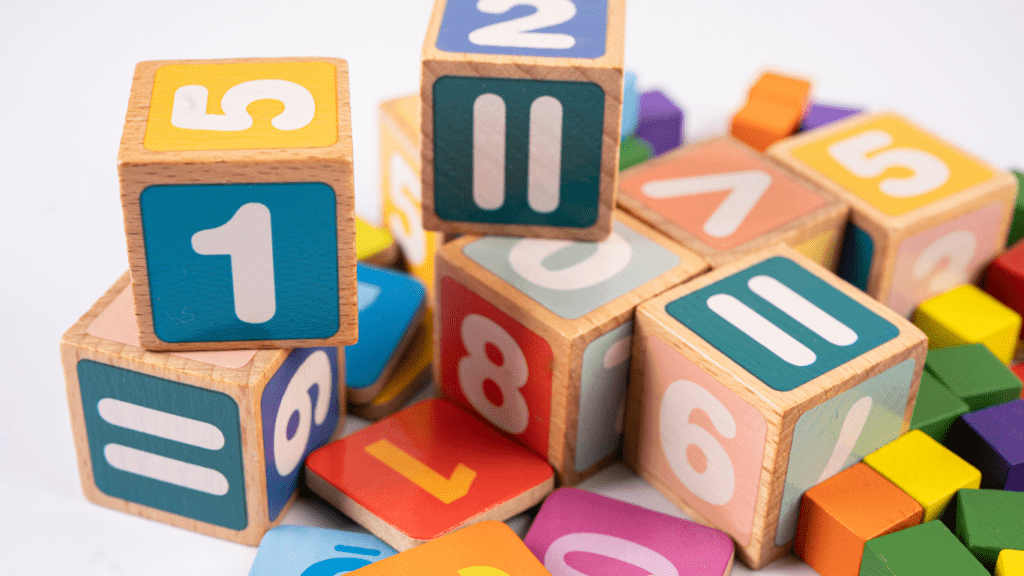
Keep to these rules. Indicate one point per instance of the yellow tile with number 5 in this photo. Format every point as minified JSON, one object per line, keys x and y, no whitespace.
{"x":966,"y":315}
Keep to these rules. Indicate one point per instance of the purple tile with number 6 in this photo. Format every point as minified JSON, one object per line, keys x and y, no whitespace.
{"x":992,"y":440}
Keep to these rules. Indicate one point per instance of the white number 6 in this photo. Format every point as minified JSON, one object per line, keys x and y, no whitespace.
{"x":314,"y":371}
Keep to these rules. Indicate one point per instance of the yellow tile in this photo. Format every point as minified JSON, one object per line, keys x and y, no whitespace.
{"x":370,"y":240}
{"x":926,"y":470}
{"x":966,"y":315}
{"x":1010,"y":563}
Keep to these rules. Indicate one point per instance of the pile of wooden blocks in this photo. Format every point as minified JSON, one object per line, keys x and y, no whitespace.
{"x":753,"y":322}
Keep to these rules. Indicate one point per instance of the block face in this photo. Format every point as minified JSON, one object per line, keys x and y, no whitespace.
{"x":571,"y":29}
{"x":838,"y":433}
{"x":480,"y":344}
{"x":722,"y":193}
{"x":966,"y":315}
{"x":929,"y":549}
{"x":952,"y":253}
{"x":992,"y":439}
{"x":517,"y":151}
{"x":309,"y":551}
{"x":781,"y":323}
{"x":871,"y":158}
{"x":570,"y":278}
{"x":299,"y":410}
{"x":988,"y":521}
{"x":163,"y":444}
{"x":661,"y":122}
{"x":603,"y":379}
{"x":705,"y":443}
{"x":1010,"y":563}
{"x":205,"y":106}
{"x":936,"y":408}
{"x":578,"y":532}
{"x":973,"y":374}
{"x":238,"y":262}
{"x":857,"y":256}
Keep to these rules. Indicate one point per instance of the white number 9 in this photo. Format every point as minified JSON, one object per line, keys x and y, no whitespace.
{"x":314,"y":371}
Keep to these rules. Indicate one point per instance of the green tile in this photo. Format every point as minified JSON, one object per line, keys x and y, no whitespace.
{"x":936,"y":408}
{"x":1017,"y":226}
{"x":988,"y":521}
{"x":973,"y":374}
{"x":634,"y":151}
{"x":928,"y":549}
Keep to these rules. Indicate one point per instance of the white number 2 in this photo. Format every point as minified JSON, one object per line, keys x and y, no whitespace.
{"x":314,"y":371}
{"x":513,"y":415}
{"x":959,"y":247}
{"x":852,"y":153}
{"x":518,"y":32}
{"x":190,"y":102}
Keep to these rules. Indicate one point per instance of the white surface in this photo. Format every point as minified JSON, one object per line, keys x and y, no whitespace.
{"x":67,"y":68}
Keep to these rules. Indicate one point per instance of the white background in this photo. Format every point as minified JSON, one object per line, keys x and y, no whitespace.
{"x":65,"y":74}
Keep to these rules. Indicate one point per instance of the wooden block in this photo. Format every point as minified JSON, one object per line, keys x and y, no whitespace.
{"x":310,"y":551}
{"x":973,"y":374}
{"x":534,"y":334}
{"x":926,"y":550}
{"x":992,"y":440}
{"x":988,"y":521}
{"x":391,"y":308}
{"x":426,"y":471}
{"x":484,"y":549}
{"x":375,"y":245}
{"x":839,"y":516}
{"x":926,"y":470}
{"x":925,"y":217}
{"x":634,"y":151}
{"x":966,"y":315}
{"x":936,"y":408}
{"x":724,"y":200}
{"x":521,"y":130}
{"x":781,"y":89}
{"x":759,"y":380}
{"x":773,"y":110}
{"x":1004,"y":279}
{"x":409,"y":376}
{"x":661,"y":122}
{"x":1017,"y":227}
{"x":198,"y":440}
{"x":579,"y":532}
{"x":630,"y":105}
{"x":819,"y":115}
{"x":1010,"y":563}
{"x":400,"y":181}
{"x":212,"y":152}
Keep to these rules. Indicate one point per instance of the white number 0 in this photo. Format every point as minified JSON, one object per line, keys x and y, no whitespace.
{"x":477,"y":331}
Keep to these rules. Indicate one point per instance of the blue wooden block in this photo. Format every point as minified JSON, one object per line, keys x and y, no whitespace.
{"x":309,"y":551}
{"x":630,"y":106}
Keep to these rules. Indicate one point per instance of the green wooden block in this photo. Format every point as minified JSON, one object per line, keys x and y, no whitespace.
{"x":634,"y":151}
{"x":988,"y":521}
{"x":928,"y":549}
{"x":1017,"y":226}
{"x":973,"y":374}
{"x":936,"y":408}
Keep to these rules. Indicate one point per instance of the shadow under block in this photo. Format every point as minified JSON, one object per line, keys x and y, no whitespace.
{"x":936,"y":408}
{"x":391,"y":307}
{"x":484,"y":549}
{"x":1010,"y":563}
{"x":966,"y":315}
{"x":239,"y":209}
{"x":926,"y":550}
{"x":992,"y":440}
{"x":199,"y":440}
{"x":838,"y":516}
{"x":925,"y":216}
{"x":988,"y":521}
{"x":758,"y":380}
{"x":973,"y":374}
{"x":926,"y":470}
{"x":1004,"y":279}
{"x":400,"y":175}
{"x":774,"y":108}
{"x":375,"y":245}
{"x":723,"y":200}
{"x":521,"y":130}
{"x":534,"y":334}
{"x":409,"y":376}
{"x":426,"y":471}
{"x":579,"y":532}
{"x":309,"y":551}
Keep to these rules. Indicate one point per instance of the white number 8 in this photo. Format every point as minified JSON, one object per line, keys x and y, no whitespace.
{"x":513,"y":415}
{"x":314,"y":371}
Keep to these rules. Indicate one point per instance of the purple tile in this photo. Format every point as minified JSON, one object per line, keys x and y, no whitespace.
{"x":661,"y":122}
{"x":992,"y":439}
{"x":819,"y":115}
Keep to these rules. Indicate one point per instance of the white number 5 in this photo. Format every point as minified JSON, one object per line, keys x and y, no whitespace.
{"x":518,"y":32}
{"x":929,"y":171}
{"x":190,"y":102}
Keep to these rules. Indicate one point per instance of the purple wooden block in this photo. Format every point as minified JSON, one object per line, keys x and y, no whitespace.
{"x":992,"y":439}
{"x":578,"y":532}
{"x":820,"y":114}
{"x":661,"y":122}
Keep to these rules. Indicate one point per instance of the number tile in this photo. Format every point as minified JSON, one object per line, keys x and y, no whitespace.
{"x":410,"y":375}
{"x":432,"y":458}
{"x":209,"y":441}
{"x":310,"y":551}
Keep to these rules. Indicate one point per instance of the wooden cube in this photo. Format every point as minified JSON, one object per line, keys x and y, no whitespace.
{"x":1010,"y":563}
{"x":723,"y":200}
{"x":925,"y":217}
{"x":401,"y":187}
{"x":928,"y":549}
{"x":1004,"y":279}
{"x":988,"y":521}
{"x":966,"y":315}
{"x":974,"y":375}
{"x":992,"y":440}
{"x":236,"y":185}
{"x":375,"y":245}
{"x":1017,"y":227}
{"x":757,"y":381}
{"x":207,"y":441}
{"x":521,"y":128}
{"x":774,"y":108}
{"x":534,"y":334}
{"x":936,"y":408}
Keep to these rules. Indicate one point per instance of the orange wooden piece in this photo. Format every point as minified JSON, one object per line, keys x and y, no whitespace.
{"x":838,"y":516}
{"x":774,"y":108}
{"x":787,"y":90}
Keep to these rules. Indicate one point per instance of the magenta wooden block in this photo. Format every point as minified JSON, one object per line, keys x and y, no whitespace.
{"x":992,"y":440}
{"x":661,"y":122}
{"x":579,"y":532}
{"x":820,"y":114}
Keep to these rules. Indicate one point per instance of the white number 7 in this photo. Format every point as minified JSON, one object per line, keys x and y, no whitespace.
{"x":929,"y":171}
